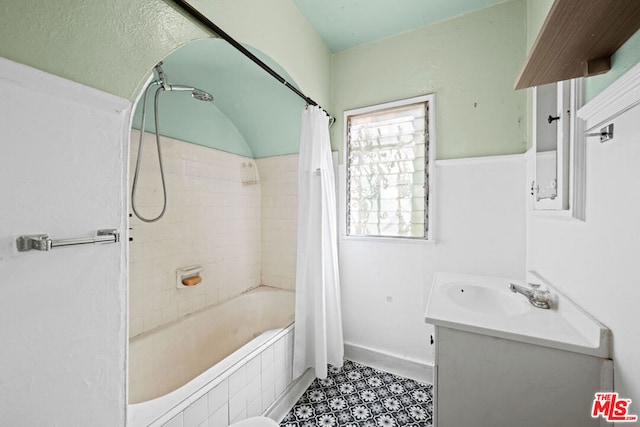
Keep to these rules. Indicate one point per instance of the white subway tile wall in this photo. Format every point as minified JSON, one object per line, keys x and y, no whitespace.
{"x":212,"y":219}
{"x":279,"y":185}
{"x":247,"y":392}
{"x":243,"y":235}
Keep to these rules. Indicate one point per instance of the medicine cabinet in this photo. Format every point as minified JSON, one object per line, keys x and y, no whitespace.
{"x":554,"y":131}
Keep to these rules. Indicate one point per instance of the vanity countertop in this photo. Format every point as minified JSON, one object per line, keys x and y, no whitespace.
{"x":485,"y":305}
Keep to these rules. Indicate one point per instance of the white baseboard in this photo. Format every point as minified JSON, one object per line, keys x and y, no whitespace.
{"x":416,"y":370}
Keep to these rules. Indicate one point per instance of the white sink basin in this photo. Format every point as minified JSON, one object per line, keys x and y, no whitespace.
{"x":487,"y":300}
{"x":485,"y":305}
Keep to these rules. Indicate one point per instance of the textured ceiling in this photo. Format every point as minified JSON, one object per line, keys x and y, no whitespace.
{"x":343,"y":24}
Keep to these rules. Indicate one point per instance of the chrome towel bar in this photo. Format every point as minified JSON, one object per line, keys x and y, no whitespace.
{"x":42,"y":242}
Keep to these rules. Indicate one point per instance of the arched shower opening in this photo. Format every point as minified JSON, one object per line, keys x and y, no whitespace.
{"x":229,"y":220}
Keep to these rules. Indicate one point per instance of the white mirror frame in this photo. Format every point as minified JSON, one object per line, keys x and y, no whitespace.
{"x":570,"y":157}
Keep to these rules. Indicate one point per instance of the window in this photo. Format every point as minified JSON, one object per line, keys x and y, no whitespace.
{"x":387,"y":162}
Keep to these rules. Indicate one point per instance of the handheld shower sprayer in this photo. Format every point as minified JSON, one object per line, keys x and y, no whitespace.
{"x":163,"y":86}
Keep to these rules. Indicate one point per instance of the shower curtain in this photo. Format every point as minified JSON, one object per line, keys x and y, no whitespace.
{"x":318,"y":336}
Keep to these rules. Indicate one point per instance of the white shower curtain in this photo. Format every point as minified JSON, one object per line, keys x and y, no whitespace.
{"x":318,"y":333}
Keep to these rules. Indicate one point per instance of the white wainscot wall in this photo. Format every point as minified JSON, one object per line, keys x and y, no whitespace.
{"x":63,"y":312}
{"x":479,"y":221}
{"x":596,"y":261}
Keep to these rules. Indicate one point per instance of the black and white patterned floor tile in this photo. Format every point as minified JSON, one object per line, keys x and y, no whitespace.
{"x":359,"y":396}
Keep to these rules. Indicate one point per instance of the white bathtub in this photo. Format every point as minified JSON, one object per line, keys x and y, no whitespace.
{"x":175,"y":366}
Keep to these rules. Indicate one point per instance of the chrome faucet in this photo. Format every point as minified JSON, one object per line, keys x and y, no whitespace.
{"x":538,"y":298}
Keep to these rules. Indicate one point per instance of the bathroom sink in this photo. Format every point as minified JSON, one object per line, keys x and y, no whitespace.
{"x":488,"y":300}
{"x":485,"y":305}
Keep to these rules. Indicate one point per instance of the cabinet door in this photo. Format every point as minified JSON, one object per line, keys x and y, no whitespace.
{"x":484,"y":381}
{"x":553,"y":133}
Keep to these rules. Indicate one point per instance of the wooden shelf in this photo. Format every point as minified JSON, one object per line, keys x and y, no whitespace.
{"x":577,"y":40}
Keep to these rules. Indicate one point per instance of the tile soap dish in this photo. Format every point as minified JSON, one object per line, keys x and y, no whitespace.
{"x":188,"y":276}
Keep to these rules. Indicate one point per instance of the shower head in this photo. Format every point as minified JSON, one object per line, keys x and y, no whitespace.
{"x":201,"y":95}
{"x":198,"y":94}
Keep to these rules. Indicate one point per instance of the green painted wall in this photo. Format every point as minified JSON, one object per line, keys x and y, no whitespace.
{"x":110,"y":45}
{"x":622,"y":61}
{"x":279,"y":30}
{"x":469,"y":62}
{"x":113,"y":45}
{"x":537,"y":11}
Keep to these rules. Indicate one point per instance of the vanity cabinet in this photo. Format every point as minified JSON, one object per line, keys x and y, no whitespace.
{"x":482,"y":380}
{"x":500,"y":361}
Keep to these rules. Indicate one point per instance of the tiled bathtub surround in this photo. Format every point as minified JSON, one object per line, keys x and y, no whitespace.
{"x":243,"y":391}
{"x":212,"y":219}
{"x":279,"y":185}
{"x":243,"y":235}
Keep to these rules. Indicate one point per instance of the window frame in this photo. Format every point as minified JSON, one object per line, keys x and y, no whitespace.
{"x":430,"y":169}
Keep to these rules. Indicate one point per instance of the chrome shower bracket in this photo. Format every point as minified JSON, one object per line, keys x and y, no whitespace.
{"x":162,"y":77}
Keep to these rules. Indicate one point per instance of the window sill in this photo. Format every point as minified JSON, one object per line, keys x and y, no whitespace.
{"x":387,"y":240}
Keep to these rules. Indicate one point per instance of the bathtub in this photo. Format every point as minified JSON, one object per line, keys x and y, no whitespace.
{"x":174,"y":367}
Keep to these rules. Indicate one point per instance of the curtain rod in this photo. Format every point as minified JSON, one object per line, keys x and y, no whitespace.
{"x":195,"y":13}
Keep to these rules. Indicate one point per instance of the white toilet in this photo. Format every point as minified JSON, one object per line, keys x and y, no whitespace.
{"x":255,"y":422}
